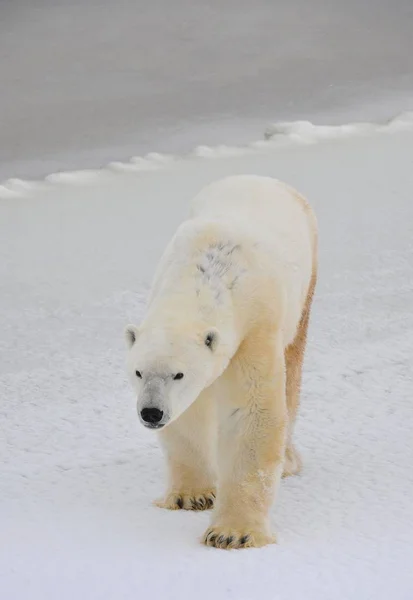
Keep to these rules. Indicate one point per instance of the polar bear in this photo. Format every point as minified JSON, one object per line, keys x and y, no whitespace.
{"x":216,"y":362}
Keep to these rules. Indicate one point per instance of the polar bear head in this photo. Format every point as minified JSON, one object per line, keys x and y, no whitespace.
{"x":170,"y":365}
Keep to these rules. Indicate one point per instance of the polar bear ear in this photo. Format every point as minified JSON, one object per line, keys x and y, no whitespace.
{"x":131,"y":335}
{"x":211,"y":338}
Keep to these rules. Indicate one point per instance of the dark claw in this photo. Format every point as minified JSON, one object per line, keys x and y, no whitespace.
{"x":180,"y":502}
{"x":230,"y":539}
{"x":211,"y":537}
{"x":244,"y":539}
{"x":209,"y":502}
{"x":221,"y":539}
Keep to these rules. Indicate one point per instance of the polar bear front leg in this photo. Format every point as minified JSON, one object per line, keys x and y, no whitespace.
{"x":189,"y":445}
{"x":252,"y":439}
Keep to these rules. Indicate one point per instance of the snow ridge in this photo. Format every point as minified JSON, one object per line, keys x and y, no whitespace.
{"x":276,"y":135}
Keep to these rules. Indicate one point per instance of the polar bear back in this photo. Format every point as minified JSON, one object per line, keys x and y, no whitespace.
{"x":274,"y":217}
{"x":249,"y":237}
{"x":263,"y":206}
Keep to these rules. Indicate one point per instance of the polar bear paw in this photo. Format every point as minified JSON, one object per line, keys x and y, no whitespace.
{"x":188,"y":500}
{"x":229,"y":538}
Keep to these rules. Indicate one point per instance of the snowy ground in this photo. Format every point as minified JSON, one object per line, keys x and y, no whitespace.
{"x":85,"y":82}
{"x":79,"y":473}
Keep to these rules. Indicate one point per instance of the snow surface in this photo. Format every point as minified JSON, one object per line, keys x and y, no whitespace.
{"x":275,"y":135}
{"x":78,"y":472}
{"x":83,"y":82}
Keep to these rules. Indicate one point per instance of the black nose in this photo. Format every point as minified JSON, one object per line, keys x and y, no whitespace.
{"x":151,"y":415}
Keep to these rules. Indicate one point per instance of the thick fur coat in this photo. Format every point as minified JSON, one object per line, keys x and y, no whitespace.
{"x":216,"y":362}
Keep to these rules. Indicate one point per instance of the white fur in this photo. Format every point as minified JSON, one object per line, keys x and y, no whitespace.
{"x":237,"y":270}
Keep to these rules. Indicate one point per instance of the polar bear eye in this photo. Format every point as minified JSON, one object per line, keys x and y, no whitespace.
{"x":209,"y":340}
{"x":138,"y":374}
{"x":178,"y":376}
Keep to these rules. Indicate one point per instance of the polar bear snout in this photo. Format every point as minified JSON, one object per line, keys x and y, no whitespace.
{"x":152,"y":417}
{"x":152,"y":403}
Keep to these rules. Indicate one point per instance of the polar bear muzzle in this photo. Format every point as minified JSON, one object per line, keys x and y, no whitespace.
{"x":152,"y":405}
{"x":152,"y":417}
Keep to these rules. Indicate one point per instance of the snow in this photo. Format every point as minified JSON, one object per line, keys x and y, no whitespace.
{"x":275,"y":135}
{"x":86,"y":82}
{"x":306,"y":132}
{"x":78,"y":472}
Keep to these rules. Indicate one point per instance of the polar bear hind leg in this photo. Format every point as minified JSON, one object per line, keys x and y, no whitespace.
{"x":294,"y":357}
